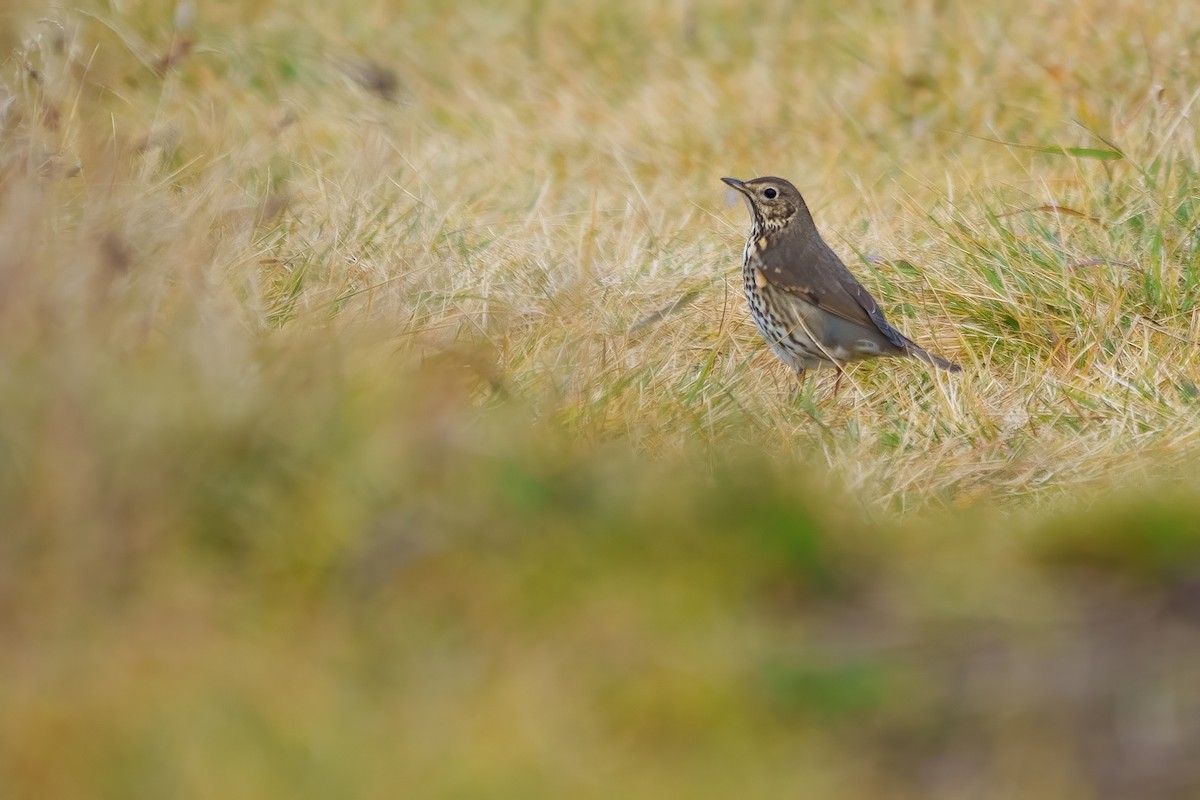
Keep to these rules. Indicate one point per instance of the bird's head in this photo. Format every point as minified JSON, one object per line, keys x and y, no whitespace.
{"x":773,"y":202}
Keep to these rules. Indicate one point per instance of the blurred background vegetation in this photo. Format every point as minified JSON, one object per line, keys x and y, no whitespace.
{"x":379,"y":414}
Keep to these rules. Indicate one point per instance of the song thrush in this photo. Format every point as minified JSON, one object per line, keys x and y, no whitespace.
{"x":804,"y":300}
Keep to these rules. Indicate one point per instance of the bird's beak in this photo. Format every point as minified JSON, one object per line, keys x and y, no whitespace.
{"x":736,"y":184}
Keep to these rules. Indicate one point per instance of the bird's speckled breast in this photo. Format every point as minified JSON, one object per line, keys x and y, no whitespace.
{"x":784,"y":332}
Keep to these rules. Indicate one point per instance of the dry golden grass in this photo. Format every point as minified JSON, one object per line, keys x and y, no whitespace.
{"x":380,"y":416}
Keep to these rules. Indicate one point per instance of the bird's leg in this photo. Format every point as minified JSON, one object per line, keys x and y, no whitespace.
{"x":837,"y":383}
{"x":799,"y":385}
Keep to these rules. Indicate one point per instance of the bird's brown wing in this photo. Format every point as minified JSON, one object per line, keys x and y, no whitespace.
{"x":867,"y":303}
{"x":811,"y":270}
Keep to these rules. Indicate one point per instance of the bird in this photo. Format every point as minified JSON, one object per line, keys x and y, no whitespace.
{"x":805,"y":302}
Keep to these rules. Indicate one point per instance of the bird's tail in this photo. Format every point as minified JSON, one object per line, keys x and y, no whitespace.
{"x":916,"y":351}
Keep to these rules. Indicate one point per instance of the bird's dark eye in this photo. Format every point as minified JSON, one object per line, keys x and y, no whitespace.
{"x":770,"y":193}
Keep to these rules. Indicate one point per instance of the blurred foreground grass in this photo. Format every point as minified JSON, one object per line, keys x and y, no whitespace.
{"x":329,"y":466}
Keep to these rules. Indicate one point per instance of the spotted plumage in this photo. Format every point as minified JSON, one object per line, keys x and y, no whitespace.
{"x":804,"y":301}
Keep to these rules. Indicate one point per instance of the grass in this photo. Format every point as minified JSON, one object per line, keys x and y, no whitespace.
{"x":379,"y":414}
